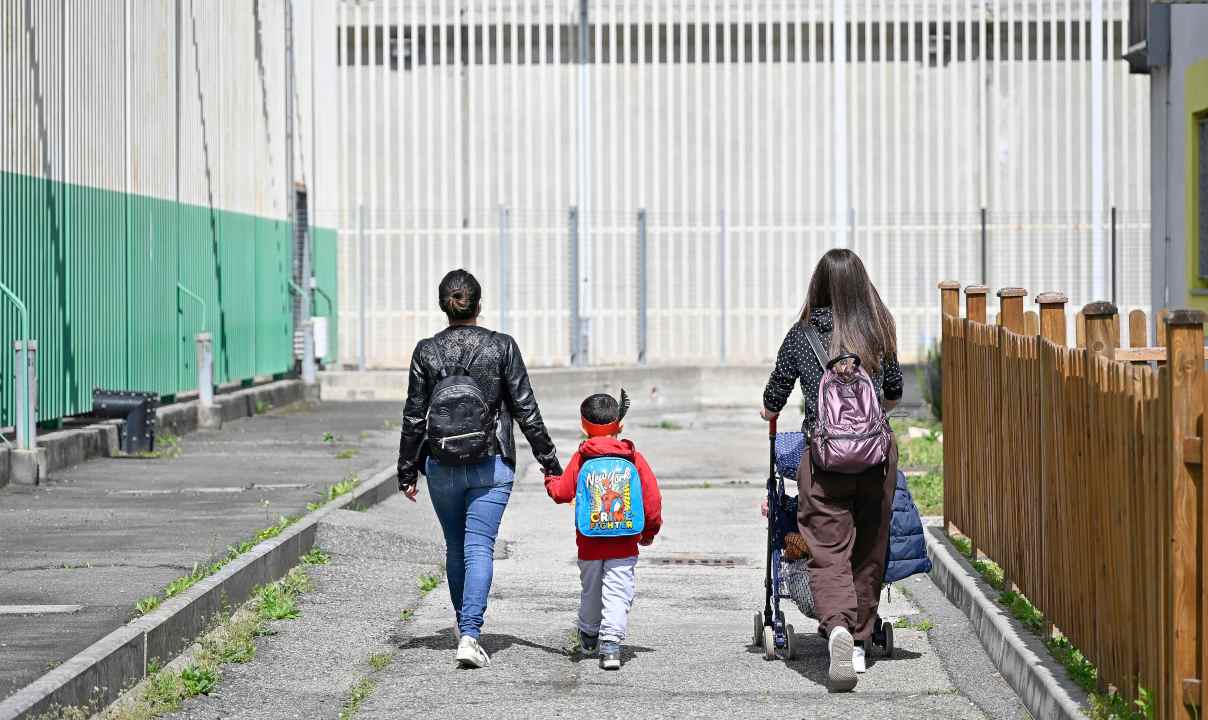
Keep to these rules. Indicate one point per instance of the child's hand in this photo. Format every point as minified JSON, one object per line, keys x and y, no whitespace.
{"x":763,"y":508}
{"x":646,"y":542}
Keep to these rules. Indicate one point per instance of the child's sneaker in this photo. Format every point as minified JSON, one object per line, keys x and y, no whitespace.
{"x":857,"y":659}
{"x":610,"y":655}
{"x":470,"y":654}
{"x":588,"y":643}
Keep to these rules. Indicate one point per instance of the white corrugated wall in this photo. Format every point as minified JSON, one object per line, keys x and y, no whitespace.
{"x":435,"y":142}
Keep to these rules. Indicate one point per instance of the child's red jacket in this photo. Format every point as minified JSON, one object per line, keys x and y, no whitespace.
{"x":562,"y":489}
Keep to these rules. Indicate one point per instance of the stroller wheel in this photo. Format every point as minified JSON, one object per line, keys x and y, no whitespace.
{"x":757,"y":638}
{"x":887,"y":631}
{"x":789,"y":639}
{"x":769,"y":643}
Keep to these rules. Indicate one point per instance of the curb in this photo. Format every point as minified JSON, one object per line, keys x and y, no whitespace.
{"x":1022,"y":659}
{"x":62,"y":449}
{"x":98,"y":674}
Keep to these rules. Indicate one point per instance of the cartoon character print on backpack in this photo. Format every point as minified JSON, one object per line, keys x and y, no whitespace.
{"x":608,"y":499}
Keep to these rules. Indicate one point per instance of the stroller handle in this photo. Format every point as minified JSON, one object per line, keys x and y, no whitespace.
{"x":772,"y":427}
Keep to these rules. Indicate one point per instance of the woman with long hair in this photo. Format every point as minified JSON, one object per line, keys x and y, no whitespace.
{"x":469,"y":383}
{"x":844,"y":518}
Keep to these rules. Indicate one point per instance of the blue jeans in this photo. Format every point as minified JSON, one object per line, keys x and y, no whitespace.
{"x":469,"y":501}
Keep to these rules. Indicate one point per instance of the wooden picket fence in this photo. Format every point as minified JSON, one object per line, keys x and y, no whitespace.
{"x":1077,"y":470}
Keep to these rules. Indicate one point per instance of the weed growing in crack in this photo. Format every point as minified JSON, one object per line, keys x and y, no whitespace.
{"x":198,"y":680}
{"x":923,"y":625}
{"x":346,"y":454}
{"x":345,"y":486}
{"x":379,"y":661}
{"x":407,"y":615}
{"x":315,"y":556}
{"x":356,"y":697}
{"x":428,"y":582}
{"x":329,"y":438}
{"x":147,"y":604}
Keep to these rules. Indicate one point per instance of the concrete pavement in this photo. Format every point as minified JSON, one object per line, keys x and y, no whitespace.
{"x":111,"y":531}
{"x":688,"y":653}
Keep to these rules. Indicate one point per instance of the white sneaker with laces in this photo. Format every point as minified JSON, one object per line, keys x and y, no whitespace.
{"x":470,"y":654}
{"x":857,"y":660}
{"x":841,"y":676}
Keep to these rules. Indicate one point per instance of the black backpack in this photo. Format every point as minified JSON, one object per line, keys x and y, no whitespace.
{"x":459,"y":420}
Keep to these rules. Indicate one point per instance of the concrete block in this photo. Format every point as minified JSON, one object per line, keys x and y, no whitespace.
{"x":30,"y":467}
{"x":177,"y":419}
{"x":93,"y":678}
{"x":110,"y":432}
{"x":67,"y":448}
{"x":209,"y":417}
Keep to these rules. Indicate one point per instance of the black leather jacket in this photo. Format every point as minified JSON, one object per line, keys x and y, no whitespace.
{"x":500,"y":372}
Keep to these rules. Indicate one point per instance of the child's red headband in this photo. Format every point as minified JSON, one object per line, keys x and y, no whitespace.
{"x":602,"y":429}
{"x":595,"y":430}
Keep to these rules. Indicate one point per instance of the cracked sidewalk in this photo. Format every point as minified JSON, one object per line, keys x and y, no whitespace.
{"x":111,"y":531}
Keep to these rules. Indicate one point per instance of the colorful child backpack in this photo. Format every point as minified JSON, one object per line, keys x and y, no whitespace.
{"x":608,"y":499}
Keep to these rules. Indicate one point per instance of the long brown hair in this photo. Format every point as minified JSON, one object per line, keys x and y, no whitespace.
{"x":863,"y":324}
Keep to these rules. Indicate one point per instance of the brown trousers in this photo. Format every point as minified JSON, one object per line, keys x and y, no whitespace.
{"x":845,"y":520}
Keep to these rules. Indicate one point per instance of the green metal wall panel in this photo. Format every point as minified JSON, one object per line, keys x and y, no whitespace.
{"x":99,"y":271}
{"x":327,"y":274}
{"x":274,"y":306}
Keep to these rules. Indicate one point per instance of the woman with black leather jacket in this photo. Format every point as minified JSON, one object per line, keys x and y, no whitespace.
{"x":470,"y":499}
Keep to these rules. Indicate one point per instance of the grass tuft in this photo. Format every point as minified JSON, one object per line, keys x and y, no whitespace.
{"x":356,"y":697}
{"x":316,"y":556}
{"x":198,"y":680}
{"x":346,"y":454}
{"x":428,"y":582}
{"x":340,"y":489}
{"x":379,"y":661}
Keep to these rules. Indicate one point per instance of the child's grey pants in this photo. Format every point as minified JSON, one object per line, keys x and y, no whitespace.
{"x":608,"y":590}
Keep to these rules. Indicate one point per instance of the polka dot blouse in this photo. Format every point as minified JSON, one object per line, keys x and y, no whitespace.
{"x":796,"y":362}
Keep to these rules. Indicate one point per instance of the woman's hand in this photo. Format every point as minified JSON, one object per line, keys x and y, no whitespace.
{"x":768,"y":415}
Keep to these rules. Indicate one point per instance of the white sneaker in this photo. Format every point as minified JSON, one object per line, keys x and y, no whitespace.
{"x":842,"y":676}
{"x":471,"y":655}
{"x":857,"y":660}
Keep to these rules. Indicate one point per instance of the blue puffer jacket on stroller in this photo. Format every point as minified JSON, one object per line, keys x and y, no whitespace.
{"x":907,"y":548}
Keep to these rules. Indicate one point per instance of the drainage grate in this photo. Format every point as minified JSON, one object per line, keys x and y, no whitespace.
{"x":699,"y":561}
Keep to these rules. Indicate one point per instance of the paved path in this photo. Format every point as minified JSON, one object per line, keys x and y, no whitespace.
{"x":688,"y":653}
{"x":106,"y":533}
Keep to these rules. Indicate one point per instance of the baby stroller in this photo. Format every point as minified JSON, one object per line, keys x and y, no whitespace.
{"x":780,"y":580}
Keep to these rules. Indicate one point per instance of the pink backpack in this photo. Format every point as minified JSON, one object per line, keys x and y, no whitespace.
{"x":851,"y":434}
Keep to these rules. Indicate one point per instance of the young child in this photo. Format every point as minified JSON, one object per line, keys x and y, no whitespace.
{"x":617,"y":508}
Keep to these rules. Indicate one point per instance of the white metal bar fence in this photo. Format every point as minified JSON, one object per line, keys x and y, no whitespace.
{"x":700,"y":109}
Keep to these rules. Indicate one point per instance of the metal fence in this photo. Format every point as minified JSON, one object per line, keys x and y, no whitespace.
{"x":144,"y":187}
{"x":949,"y":113}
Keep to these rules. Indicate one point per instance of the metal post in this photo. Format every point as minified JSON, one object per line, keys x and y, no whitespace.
{"x":505,"y":269}
{"x":984,"y":259}
{"x":839,"y":118}
{"x":363,"y":244}
{"x":1096,"y":151}
{"x":25,"y":370}
{"x":583,"y":158}
{"x":643,"y":289}
{"x":20,"y":372}
{"x":205,"y":369}
{"x":576,"y":340}
{"x":1113,"y":261}
{"x":721,"y":284}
